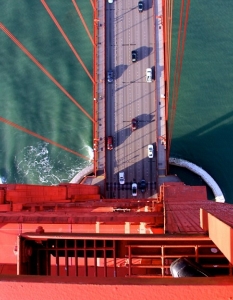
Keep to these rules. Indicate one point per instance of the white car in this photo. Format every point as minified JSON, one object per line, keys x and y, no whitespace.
{"x":121,"y":177}
{"x":134,"y":189}
{"x":148,"y":75}
{"x":110,"y":1}
{"x":150,"y":151}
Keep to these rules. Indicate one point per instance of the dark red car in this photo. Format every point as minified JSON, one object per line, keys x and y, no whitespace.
{"x":109,"y":143}
{"x":134,"y":124}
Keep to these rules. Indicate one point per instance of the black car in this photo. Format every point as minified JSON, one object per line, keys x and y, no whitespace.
{"x":140,"y":6}
{"x":110,"y":76}
{"x":134,"y":56}
{"x":143,"y":185}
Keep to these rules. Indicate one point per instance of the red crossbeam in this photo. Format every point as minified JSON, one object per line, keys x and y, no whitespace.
{"x":41,"y":137}
{"x":66,"y":39}
{"x":92,"y":4}
{"x":184,"y":13}
{"x":83,"y":21}
{"x":39,"y":65}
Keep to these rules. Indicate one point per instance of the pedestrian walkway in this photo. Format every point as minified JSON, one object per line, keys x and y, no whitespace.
{"x":99,"y":143}
{"x":100,"y":100}
{"x":161,"y":97}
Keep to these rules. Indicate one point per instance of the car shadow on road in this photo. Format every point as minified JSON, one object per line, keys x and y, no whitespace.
{"x":145,"y":119}
{"x":153,"y":72}
{"x":126,"y":131}
{"x":119,"y":70}
{"x":143,"y":52}
{"x":148,"y":4}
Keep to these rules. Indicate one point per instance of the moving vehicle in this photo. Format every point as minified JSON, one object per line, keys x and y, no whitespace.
{"x":110,"y":1}
{"x":121,"y":177}
{"x":134,"y":55}
{"x":110,"y":76}
{"x":134,"y":189}
{"x":134,"y":124}
{"x":109,"y":143}
{"x":140,"y":6}
{"x":150,"y":151}
{"x":143,"y":185}
{"x":148,"y":75}
{"x":184,"y":267}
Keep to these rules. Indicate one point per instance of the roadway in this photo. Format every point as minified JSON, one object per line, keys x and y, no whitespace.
{"x":130,"y":96}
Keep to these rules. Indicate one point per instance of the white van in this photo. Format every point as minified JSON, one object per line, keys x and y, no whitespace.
{"x":121,"y":177}
{"x":148,"y":75}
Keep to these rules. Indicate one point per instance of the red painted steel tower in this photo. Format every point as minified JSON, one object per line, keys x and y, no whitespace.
{"x":67,"y":242}
{"x":72,"y":236}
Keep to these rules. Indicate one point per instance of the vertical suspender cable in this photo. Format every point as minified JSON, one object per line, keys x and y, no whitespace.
{"x":168,"y":10}
{"x":178,"y":67}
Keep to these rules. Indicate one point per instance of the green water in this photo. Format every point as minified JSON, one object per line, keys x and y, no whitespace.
{"x":204,"y":116}
{"x":29,"y":98}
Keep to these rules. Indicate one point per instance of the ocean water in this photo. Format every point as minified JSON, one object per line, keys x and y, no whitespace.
{"x":204,"y":119}
{"x":204,"y":116}
{"x":30,"y":99}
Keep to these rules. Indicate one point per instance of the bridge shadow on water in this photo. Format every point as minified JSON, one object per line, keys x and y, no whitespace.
{"x":208,"y":146}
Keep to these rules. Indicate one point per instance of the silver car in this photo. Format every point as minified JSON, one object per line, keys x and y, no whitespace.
{"x":148,"y":75}
{"x":121,"y":177}
{"x":134,"y":189}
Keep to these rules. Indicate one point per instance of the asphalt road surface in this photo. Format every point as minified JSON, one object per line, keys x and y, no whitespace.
{"x":130,"y":96}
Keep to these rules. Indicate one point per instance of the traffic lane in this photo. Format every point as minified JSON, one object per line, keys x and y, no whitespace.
{"x":122,"y":190}
{"x":122,"y":60}
{"x":126,"y":127}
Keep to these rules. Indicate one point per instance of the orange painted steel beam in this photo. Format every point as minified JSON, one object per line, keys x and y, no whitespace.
{"x":167,"y":33}
{"x":66,"y":39}
{"x":95,"y":87}
{"x":176,"y":79}
{"x":41,"y":137}
{"x":83,"y":21}
{"x":77,"y":217}
{"x":219,"y":232}
{"x":183,"y":45}
{"x":92,"y":4}
{"x":39,"y":65}
{"x":65,"y":287}
{"x":184,"y":13}
{"x":166,"y":18}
